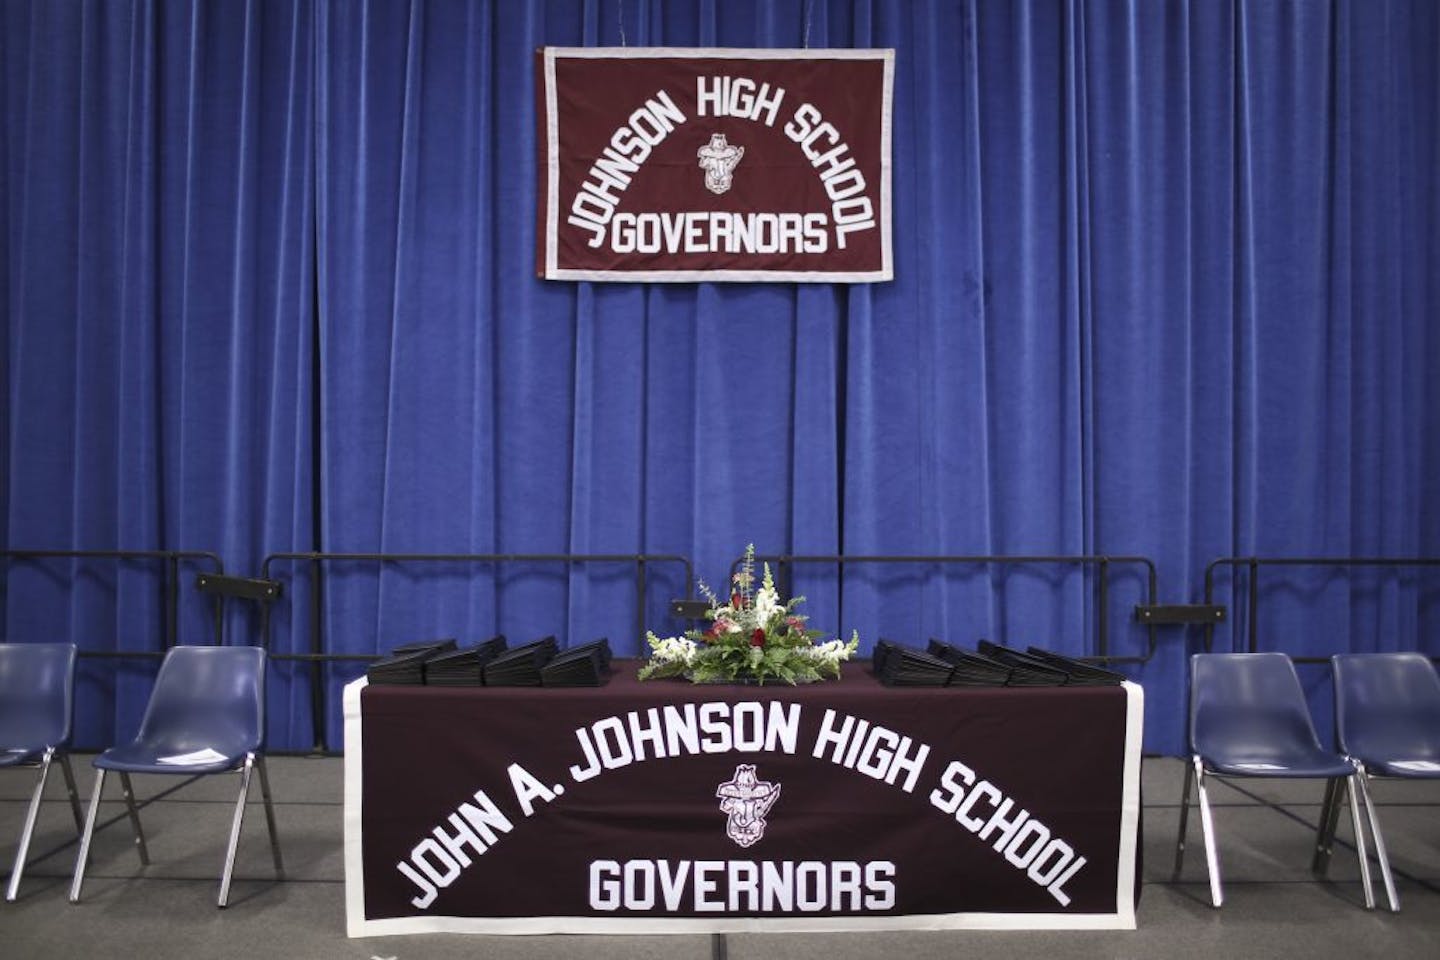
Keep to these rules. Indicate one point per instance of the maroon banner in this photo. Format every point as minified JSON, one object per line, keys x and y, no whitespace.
{"x":667,"y":807}
{"x":689,"y":164}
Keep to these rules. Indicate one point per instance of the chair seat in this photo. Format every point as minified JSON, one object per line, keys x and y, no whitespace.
{"x":1411,"y":768}
{"x":141,"y":757}
{"x":1299,"y":765}
{"x":15,"y":756}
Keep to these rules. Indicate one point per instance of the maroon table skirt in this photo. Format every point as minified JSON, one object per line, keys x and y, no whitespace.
{"x":671,"y":808}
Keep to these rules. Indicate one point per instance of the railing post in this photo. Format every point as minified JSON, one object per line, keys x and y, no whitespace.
{"x":1209,"y":601}
{"x":1102,"y":640}
{"x":640,"y":595}
{"x":317,"y":667}
{"x":1254,"y":602}
{"x":172,"y":599}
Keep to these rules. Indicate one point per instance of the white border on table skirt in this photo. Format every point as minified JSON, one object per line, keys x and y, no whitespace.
{"x":1122,"y":919}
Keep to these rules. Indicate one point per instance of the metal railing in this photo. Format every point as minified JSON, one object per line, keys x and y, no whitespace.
{"x":173,"y":561}
{"x":170,"y":592}
{"x":1252,"y":566}
{"x":1102,"y":562}
{"x":315,"y":561}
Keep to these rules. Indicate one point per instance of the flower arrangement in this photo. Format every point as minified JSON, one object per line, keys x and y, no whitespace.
{"x":754,"y":637}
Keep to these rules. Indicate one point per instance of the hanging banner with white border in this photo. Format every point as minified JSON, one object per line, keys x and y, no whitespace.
{"x":667,"y":164}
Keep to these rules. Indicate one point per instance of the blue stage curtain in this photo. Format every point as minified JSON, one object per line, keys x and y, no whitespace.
{"x":159,"y":294}
{"x":1166,"y":285}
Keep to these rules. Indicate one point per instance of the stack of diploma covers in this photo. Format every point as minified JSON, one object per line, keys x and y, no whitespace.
{"x":970,"y":669}
{"x":405,"y":665}
{"x":440,"y":663}
{"x":464,"y":667}
{"x":1025,"y":670}
{"x":583,"y":666}
{"x":520,"y":666}
{"x":992,"y":665}
{"x":1036,"y":667}
{"x":1078,"y":672}
{"x":900,"y":666}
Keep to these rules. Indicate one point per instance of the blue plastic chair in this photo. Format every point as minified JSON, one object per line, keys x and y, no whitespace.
{"x":1248,"y":718}
{"x":37,"y":693}
{"x":206,"y":715}
{"x":1387,"y":719}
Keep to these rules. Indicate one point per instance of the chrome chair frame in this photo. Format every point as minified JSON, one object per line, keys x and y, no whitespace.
{"x":1330,"y":821}
{"x":53,"y":751}
{"x":252,"y":762}
{"x":32,"y":814}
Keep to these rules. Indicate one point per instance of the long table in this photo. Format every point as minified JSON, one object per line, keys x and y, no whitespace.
{"x":670,"y":808}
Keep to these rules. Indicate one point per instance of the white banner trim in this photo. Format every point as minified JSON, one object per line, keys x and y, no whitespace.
{"x":356,"y":925}
{"x":552,"y":166}
{"x":1130,"y":804}
{"x":702,"y":276}
{"x":536,"y":926}
{"x":724,"y":53}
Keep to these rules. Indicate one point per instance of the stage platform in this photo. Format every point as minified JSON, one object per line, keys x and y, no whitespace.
{"x":1274,"y":908}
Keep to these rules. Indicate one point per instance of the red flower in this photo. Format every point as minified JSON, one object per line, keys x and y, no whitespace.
{"x":757,"y":639}
{"x":736,"y":601}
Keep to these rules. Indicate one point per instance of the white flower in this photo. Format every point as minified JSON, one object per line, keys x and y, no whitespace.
{"x":672,"y":648}
{"x":833,"y":652}
{"x":767,"y":604}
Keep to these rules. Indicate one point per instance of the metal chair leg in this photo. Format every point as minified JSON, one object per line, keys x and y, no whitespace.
{"x":1325,"y":832}
{"x":1380,"y":853}
{"x":74,"y":794}
{"x":85,"y":835}
{"x":1184,"y":819}
{"x":235,"y":830}
{"x":134,"y":818}
{"x":1360,"y":842}
{"x":1212,"y":858}
{"x":270,"y":817}
{"x":13,"y":887}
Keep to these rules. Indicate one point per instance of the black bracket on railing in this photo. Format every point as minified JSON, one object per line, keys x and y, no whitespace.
{"x":244,"y":588}
{"x":689,"y":609}
{"x":1179,"y":613}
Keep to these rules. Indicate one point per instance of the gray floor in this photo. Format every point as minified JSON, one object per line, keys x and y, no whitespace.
{"x":1274,"y":907}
